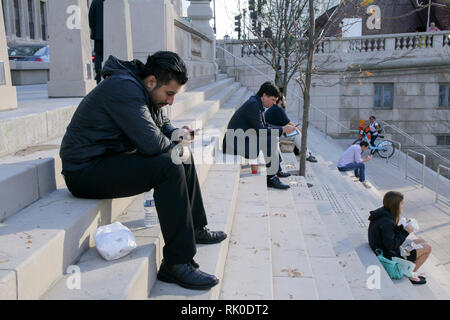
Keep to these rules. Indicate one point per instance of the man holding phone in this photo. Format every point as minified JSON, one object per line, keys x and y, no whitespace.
{"x":119,"y":143}
{"x":276,"y":115}
{"x":257,"y":135}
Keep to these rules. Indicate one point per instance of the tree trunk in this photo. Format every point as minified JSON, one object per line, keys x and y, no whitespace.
{"x":306,"y":91}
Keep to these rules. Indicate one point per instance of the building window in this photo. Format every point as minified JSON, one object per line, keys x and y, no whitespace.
{"x":443,"y":140}
{"x":43,"y":10}
{"x":4,"y":13}
{"x":31,"y":19}
{"x":17,"y":18}
{"x":444,"y":95}
{"x":384,"y":95}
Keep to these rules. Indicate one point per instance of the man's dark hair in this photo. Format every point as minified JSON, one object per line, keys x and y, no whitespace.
{"x":372,"y":117}
{"x":364,"y":144}
{"x":165,"y":66}
{"x":269,"y":89}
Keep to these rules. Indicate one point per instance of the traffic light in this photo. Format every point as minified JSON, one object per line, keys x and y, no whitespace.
{"x":251,"y":5}
{"x":237,"y":23}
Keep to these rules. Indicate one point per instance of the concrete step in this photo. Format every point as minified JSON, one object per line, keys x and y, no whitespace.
{"x":248,"y":268}
{"x":220,"y":196}
{"x":129,"y":277}
{"x":330,"y":280}
{"x":189,"y":99}
{"x":24,"y":183}
{"x":134,"y":276}
{"x":357,"y":201}
{"x":197,"y":116}
{"x":48,"y":236}
{"x":292,"y":273}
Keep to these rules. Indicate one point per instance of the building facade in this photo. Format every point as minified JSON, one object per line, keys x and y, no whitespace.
{"x":26,"y":21}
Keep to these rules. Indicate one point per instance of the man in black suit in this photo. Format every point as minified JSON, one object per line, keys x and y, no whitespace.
{"x":96,"y":26}
{"x":248,"y":133}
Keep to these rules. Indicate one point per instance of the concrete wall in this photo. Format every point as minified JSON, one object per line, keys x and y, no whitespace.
{"x":29,"y":72}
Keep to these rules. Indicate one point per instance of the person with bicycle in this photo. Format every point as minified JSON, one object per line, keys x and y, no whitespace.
{"x":351,"y":160}
{"x":375,"y":129}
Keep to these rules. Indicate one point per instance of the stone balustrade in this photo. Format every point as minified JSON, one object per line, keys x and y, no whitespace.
{"x":418,"y":44}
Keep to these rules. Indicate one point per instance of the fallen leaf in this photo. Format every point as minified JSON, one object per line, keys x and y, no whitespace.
{"x":277,"y":244}
{"x":3,"y":261}
{"x":283,"y":215}
{"x":297,"y":274}
{"x":30,"y":241}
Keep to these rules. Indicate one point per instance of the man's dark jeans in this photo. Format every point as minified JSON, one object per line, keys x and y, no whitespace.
{"x":360,"y":170}
{"x":177,"y":194}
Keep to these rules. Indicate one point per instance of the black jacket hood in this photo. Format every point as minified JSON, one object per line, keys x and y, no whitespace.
{"x":380,"y":213}
{"x":114,"y":65}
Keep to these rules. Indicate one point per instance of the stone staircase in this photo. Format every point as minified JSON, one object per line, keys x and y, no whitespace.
{"x":301,"y":243}
{"x":44,"y":229}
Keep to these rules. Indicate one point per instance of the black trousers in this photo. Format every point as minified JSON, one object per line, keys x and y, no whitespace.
{"x":177,"y":194}
{"x":98,"y":60}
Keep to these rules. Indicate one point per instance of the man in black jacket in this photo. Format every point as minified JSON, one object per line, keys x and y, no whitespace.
{"x":248,"y":133}
{"x":119,"y":144}
{"x":96,"y":26}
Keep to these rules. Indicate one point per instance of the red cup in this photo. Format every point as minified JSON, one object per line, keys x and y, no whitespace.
{"x":254,"y":168}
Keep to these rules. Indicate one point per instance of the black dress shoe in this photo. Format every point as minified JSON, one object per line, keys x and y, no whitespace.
{"x":282,"y":174}
{"x":186,"y":276}
{"x":274,"y":182}
{"x":206,"y":236}
{"x":311,"y":159}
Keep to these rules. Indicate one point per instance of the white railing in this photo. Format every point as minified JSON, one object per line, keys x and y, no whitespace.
{"x":438,"y":175}
{"x":423,"y":167}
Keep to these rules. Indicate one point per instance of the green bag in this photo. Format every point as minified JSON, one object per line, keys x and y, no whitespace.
{"x":391,"y":267}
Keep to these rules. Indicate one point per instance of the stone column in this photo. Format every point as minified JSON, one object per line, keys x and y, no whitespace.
{"x":201,"y":13}
{"x":8,"y":94}
{"x":71,"y":66}
{"x":117,"y":37}
{"x":152,"y":27}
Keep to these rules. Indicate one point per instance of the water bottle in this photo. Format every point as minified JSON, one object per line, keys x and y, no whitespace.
{"x":150,"y":215}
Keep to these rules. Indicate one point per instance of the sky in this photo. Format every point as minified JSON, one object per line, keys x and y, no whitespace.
{"x":225,"y":12}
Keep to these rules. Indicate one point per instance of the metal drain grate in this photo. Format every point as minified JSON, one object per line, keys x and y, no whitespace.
{"x":332,"y":199}
{"x":354,"y":213}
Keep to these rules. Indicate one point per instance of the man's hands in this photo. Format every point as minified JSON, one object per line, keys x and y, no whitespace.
{"x":367,"y":158}
{"x":187,"y":136}
{"x":288,"y":128}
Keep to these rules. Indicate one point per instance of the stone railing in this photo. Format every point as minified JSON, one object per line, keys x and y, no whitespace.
{"x":425,"y":43}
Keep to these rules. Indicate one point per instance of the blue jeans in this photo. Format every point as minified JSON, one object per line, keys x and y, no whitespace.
{"x":360,"y":170}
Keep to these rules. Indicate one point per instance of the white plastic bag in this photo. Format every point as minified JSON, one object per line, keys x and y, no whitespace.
{"x":114,"y":241}
{"x":413,"y":222}
{"x":406,"y":266}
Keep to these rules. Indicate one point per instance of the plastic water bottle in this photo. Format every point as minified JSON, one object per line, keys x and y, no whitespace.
{"x":150,"y":215}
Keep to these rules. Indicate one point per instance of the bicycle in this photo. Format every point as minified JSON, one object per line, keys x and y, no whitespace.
{"x":385,"y":148}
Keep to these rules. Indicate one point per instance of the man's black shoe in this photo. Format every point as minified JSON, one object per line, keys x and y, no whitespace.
{"x":206,"y":236}
{"x":296,"y":151}
{"x":274,"y":182}
{"x":186,"y":276}
{"x":311,"y":159}
{"x":282,"y":174}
